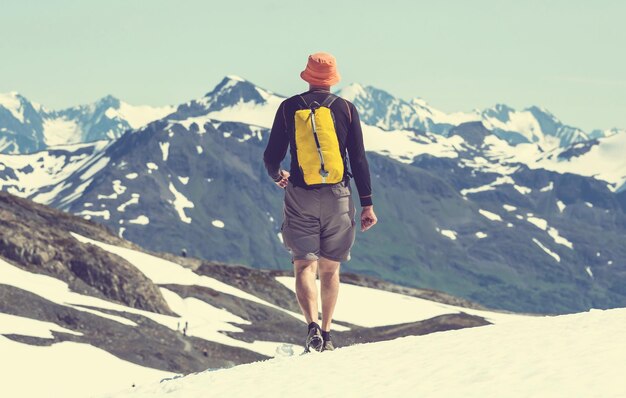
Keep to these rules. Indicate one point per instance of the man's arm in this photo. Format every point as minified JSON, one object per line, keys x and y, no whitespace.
{"x":358,"y":161}
{"x":277,"y":145}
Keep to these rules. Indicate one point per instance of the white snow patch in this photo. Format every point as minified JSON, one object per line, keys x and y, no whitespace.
{"x":448,"y":233}
{"x":180,"y":203}
{"x":491,"y":216}
{"x":165,"y":147}
{"x":59,"y":131}
{"x":405,"y":308}
{"x":588,"y":269}
{"x":132,"y":176}
{"x":199,"y":149}
{"x":95,"y":213}
{"x":545,"y":249}
{"x":13,"y":324}
{"x":538,"y":222}
{"x":141,"y":220}
{"x":481,"y":235}
{"x":132,"y":201}
{"x":183,"y":180}
{"x":509,"y":207}
{"x":560,"y":205}
{"x":217,"y":223}
{"x":523,"y":190}
{"x":588,"y":204}
{"x":554,"y":233}
{"x":151,"y":166}
{"x":547,"y":187}
{"x":138,"y":116}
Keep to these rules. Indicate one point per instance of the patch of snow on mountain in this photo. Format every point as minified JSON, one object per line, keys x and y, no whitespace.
{"x":12,"y":103}
{"x":132,"y":201}
{"x":13,"y":324}
{"x":554,"y":233}
{"x":180,"y":203}
{"x":132,"y":176}
{"x":403,"y":146}
{"x":448,"y":233}
{"x":95,"y":213}
{"x":548,"y":251}
{"x":489,"y":215}
{"x":538,"y":222}
{"x":151,"y":166}
{"x":548,"y":187}
{"x":522,"y":189}
{"x":481,"y":235}
{"x":141,"y":220}
{"x":488,"y":187}
{"x":165,"y":146}
{"x":138,"y":116}
{"x":61,"y":130}
{"x":509,"y":207}
{"x":560,"y":205}
{"x":217,"y":223}
{"x":350,"y":307}
{"x":183,"y":180}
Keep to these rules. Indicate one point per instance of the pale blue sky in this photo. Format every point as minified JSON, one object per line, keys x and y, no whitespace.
{"x":567,"y":56}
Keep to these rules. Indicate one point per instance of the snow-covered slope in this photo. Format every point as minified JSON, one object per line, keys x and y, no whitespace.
{"x":578,"y":355}
{"x":100,"y":302}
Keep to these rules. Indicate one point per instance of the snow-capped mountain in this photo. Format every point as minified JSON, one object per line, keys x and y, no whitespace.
{"x":21,"y":124}
{"x":26,"y":127}
{"x":542,"y":229}
{"x":233,"y":99}
{"x":532,"y":125}
{"x":72,"y":293}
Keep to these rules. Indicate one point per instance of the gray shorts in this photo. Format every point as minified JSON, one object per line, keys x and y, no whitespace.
{"x":319,"y":222}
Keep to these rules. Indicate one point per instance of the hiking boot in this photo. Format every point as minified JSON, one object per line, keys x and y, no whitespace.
{"x":328,"y":342}
{"x":314,"y":340}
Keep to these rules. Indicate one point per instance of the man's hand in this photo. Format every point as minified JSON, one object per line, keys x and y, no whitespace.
{"x":368,"y":218}
{"x":284,"y":180}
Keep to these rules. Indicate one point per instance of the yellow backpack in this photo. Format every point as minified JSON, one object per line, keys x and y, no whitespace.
{"x":317,"y":145}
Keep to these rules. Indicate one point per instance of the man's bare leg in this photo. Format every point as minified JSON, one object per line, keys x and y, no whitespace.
{"x":329,"y":283}
{"x":306,"y":288}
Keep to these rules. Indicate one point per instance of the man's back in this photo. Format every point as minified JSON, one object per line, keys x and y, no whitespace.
{"x":349,"y":135}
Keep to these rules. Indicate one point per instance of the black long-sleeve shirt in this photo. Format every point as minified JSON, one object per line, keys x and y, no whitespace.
{"x":349,"y":134}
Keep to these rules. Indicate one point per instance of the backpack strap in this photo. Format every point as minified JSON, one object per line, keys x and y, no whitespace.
{"x":304,"y":101}
{"x":329,"y":100}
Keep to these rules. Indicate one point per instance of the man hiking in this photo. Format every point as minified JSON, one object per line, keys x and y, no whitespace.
{"x":318,"y":228}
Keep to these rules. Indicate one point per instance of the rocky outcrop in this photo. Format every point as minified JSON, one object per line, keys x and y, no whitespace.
{"x":37,"y":238}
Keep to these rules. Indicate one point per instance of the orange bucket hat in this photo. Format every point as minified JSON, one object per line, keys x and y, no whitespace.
{"x":321,"y":70}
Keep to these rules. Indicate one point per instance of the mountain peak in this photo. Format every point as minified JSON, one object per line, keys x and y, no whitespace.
{"x":352,"y":91}
{"x":108,"y":101}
